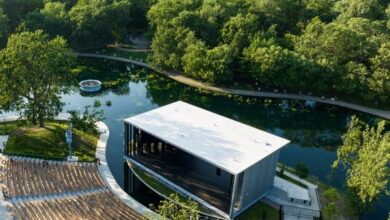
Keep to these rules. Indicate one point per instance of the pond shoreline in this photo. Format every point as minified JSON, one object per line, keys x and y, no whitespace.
{"x":194,"y":83}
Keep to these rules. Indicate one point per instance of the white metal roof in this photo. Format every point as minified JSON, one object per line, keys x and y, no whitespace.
{"x":228,"y":144}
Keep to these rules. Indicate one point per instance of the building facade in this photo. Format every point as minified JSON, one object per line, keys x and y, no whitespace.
{"x":224,"y":165}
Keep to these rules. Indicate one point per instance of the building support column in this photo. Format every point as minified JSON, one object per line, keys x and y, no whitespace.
{"x":132,"y":183}
{"x":126,"y":139}
{"x":232,"y":199}
{"x":130,"y":140}
{"x":126,"y":177}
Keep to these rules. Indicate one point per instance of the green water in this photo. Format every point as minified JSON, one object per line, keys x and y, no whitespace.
{"x":315,"y":134}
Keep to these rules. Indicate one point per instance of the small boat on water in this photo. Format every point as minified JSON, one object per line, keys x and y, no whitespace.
{"x":90,"y":85}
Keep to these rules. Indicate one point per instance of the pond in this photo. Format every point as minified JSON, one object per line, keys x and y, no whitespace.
{"x":315,"y":134}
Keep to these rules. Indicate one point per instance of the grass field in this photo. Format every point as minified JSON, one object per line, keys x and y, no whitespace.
{"x":49,"y":142}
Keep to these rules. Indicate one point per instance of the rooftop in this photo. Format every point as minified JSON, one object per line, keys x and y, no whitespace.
{"x":223,"y":142}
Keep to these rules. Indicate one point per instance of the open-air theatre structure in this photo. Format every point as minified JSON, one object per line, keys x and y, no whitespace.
{"x":224,"y":165}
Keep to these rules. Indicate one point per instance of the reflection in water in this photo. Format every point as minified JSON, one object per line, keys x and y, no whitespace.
{"x":315,"y":134}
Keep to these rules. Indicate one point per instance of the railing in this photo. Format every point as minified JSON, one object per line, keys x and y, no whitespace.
{"x":39,"y":156}
{"x":46,"y":157}
{"x":300,"y":212}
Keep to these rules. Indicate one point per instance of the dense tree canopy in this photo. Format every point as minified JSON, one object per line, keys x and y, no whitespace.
{"x":330,"y":47}
{"x":53,"y":18}
{"x":16,"y":10}
{"x":84,"y":23}
{"x":3,"y":28}
{"x":366,"y":155}
{"x":33,"y":70}
{"x":371,"y":9}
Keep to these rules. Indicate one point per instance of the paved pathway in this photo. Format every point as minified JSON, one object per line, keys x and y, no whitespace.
{"x":191,"y":82}
{"x":146,"y":50}
{"x":14,"y":117}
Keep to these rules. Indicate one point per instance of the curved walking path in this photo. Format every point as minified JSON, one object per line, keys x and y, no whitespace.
{"x":109,"y":179}
{"x":146,"y":50}
{"x":191,"y":82}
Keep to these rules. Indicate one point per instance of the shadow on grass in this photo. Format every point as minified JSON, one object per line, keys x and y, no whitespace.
{"x":50,"y":142}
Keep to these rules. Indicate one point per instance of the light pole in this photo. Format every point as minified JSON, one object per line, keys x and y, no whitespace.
{"x":69,"y":139}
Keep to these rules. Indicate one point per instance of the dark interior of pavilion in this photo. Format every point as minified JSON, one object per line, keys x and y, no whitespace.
{"x":189,"y":172}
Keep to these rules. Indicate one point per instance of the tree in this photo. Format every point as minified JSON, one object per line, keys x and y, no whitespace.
{"x":302,"y":170}
{"x":285,"y":14}
{"x":33,"y":70}
{"x":128,"y":16}
{"x":271,"y":65}
{"x":209,"y":65}
{"x":365,"y":154}
{"x":346,"y":49}
{"x":86,"y":121}
{"x":4,"y":29}
{"x":16,"y":10}
{"x":238,"y":31}
{"x":380,"y":81}
{"x":337,"y":43}
{"x":211,"y":16}
{"x":388,"y":16}
{"x":320,"y":8}
{"x":371,"y":9}
{"x":53,"y":19}
{"x":92,"y":23}
{"x":330,"y":210}
{"x":169,"y":46}
{"x":175,"y":209}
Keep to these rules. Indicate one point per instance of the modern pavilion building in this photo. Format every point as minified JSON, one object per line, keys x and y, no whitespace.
{"x":222,"y":164}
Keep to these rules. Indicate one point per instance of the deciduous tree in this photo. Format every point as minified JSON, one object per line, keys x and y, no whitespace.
{"x":371,"y":9}
{"x":33,"y":70}
{"x":176,"y":209}
{"x":4,"y":29}
{"x":365,"y":154}
{"x":53,"y":19}
{"x":302,"y":170}
{"x":16,"y":10}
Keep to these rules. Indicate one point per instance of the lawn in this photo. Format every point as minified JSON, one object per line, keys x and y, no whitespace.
{"x":49,"y":142}
{"x":259,"y":211}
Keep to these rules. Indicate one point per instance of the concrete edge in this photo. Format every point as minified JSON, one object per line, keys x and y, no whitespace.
{"x":108,"y":178}
{"x":5,"y":212}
